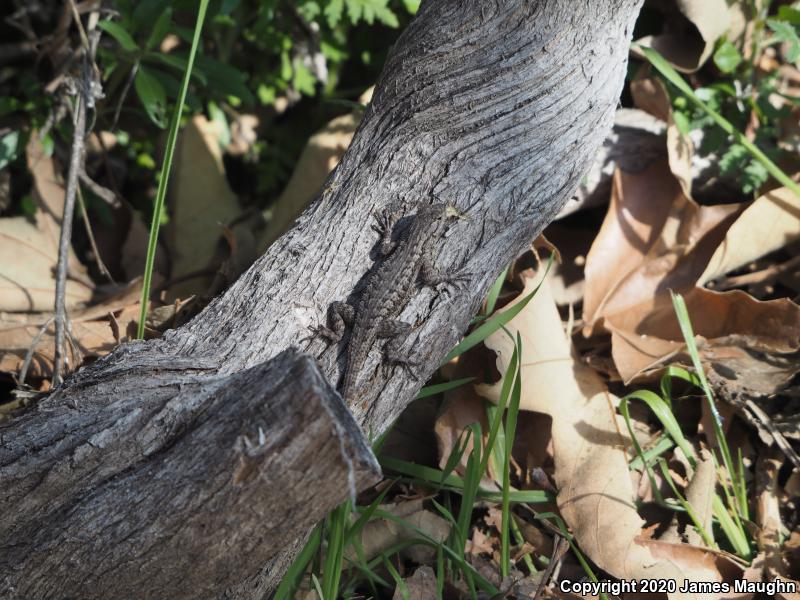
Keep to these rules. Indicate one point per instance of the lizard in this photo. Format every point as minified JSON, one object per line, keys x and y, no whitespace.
{"x":388,"y":290}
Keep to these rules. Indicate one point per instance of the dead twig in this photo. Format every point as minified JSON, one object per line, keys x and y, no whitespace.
{"x":85,"y":92}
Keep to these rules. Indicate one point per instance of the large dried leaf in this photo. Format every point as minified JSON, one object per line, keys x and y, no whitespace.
{"x":596,"y":496}
{"x":30,"y":247}
{"x":201,"y":204}
{"x":768,"y":224}
{"x":655,"y":239}
{"x":689,"y":41}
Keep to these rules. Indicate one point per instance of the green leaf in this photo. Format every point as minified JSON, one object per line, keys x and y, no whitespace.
{"x":218,"y":116}
{"x":177,"y":62}
{"x":733,"y":160}
{"x":225,"y":79}
{"x":152,"y":95}
{"x":727,"y":57}
{"x":123,"y":38}
{"x":786,"y":33}
{"x":333,"y":12}
{"x":160,"y":28}
{"x":789,"y":14}
{"x":8,"y":148}
{"x":412,"y":6}
{"x":303,"y":79}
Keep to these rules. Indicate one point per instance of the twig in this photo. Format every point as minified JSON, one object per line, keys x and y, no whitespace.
{"x":90,"y":234}
{"x":763,"y":276}
{"x":23,"y":372}
{"x":85,"y":93}
{"x":66,"y":228}
{"x":106,"y":195}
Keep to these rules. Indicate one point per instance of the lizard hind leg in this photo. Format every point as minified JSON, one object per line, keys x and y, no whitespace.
{"x":340,"y":314}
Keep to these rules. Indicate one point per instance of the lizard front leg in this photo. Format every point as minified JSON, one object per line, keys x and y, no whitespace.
{"x":397,"y":332}
{"x":384,"y":225}
{"x":431,"y":276}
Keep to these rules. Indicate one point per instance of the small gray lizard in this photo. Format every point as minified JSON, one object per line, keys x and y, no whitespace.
{"x":388,"y":290}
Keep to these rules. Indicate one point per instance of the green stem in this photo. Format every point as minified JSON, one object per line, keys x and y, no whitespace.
{"x":158,"y":207}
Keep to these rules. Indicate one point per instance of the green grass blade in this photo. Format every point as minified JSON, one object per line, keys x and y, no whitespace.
{"x":688,"y":334}
{"x":317,"y":587}
{"x":495,"y":322}
{"x":457,"y":454}
{"x":663,"y":444}
{"x":494,"y":292}
{"x":398,"y":581}
{"x":510,"y":431}
{"x":366,"y":514}
{"x":663,"y":413}
{"x":332,"y":571}
{"x":298,"y":567}
{"x":438,"y":388}
{"x":169,"y":152}
{"x":675,"y":79}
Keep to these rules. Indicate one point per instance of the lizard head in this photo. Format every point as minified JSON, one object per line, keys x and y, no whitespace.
{"x":440,"y":210}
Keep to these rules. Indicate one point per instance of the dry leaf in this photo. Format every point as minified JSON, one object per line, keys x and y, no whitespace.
{"x":768,"y":224}
{"x":201,"y":202}
{"x":591,"y":471}
{"x":421,"y":585}
{"x":380,"y":534}
{"x":655,"y":239}
{"x":93,"y":332}
{"x":689,"y":42}
{"x":30,"y":248}
{"x":700,"y":496}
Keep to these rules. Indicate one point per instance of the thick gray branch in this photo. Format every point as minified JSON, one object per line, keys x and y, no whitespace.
{"x":180,"y":495}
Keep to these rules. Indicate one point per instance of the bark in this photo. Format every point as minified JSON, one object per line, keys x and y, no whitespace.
{"x":135,"y":477}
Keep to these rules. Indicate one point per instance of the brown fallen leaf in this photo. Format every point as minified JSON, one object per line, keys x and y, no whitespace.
{"x":30,"y":247}
{"x":596,"y":496}
{"x":690,"y":37}
{"x":94,"y":331}
{"x":420,"y":586}
{"x":655,"y":239}
{"x":201,"y":203}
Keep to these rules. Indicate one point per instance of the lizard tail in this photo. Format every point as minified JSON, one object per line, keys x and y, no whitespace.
{"x":349,"y":385}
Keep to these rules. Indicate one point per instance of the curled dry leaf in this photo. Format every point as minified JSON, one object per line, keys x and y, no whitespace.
{"x":690,"y":36}
{"x":656,"y":239}
{"x":596,"y":496}
{"x":30,"y":247}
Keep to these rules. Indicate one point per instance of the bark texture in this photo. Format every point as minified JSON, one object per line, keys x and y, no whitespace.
{"x":179,"y":467}
{"x":216,"y":470}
